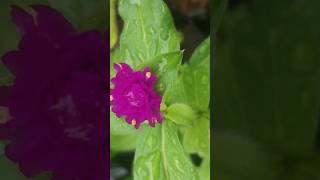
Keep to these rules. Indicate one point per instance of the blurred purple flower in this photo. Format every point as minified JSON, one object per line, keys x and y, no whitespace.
{"x":134,"y":97}
{"x":58,"y":98}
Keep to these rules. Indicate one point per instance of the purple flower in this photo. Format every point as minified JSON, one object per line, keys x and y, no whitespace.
{"x":134,"y":97}
{"x":57,"y":102}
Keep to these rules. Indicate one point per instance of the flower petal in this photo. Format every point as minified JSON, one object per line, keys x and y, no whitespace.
{"x":4,"y":95}
{"x":23,"y":21}
{"x":52,"y":22}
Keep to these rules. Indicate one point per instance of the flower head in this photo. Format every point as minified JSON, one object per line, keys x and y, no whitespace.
{"x":57,"y":101}
{"x":133,"y":96}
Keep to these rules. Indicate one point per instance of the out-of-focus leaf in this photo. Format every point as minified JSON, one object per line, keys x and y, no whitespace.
{"x":159,"y":155}
{"x":238,"y":158}
{"x":266,"y":74}
{"x":181,"y":114}
{"x":84,"y":14}
{"x":307,"y":167}
{"x":218,"y":8}
{"x":148,"y":31}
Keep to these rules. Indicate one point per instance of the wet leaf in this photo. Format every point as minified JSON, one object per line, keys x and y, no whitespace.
{"x":113,"y":24}
{"x":148,"y":31}
{"x":197,"y":138}
{"x":159,"y":155}
{"x":193,"y":84}
{"x":118,"y":126}
{"x":181,"y":114}
{"x":204,"y":169}
{"x":122,"y":143}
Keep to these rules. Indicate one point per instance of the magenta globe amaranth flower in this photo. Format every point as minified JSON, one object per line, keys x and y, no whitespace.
{"x":133,"y":96}
{"x":57,"y":102}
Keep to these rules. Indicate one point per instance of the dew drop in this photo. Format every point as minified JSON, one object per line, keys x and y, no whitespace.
{"x":135,"y":2}
{"x":164,"y":34}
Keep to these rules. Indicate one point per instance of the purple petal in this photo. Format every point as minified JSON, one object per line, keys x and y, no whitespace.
{"x":22,"y":20}
{"x":4,"y":95}
{"x":52,"y":22}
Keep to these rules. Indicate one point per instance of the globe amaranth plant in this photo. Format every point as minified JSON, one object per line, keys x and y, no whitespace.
{"x":150,"y":85}
{"x":133,"y":96}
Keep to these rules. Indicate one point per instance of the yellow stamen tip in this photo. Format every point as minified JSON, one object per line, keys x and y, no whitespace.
{"x":148,"y":75}
{"x":133,"y":122}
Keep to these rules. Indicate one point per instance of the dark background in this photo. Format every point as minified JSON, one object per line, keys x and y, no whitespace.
{"x":266,"y":89}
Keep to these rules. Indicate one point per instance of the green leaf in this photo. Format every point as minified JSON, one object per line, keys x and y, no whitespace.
{"x":163,"y":62}
{"x":204,"y":169}
{"x":167,"y":73}
{"x":159,"y":155}
{"x":193,"y":85}
{"x":181,"y":114}
{"x":114,"y":58}
{"x":148,"y":31}
{"x":197,"y":138}
{"x":201,"y":55}
{"x":118,"y":126}
{"x":113,"y":24}
{"x":121,"y":143}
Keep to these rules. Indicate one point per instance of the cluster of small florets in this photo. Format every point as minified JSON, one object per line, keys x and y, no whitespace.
{"x":133,"y":96}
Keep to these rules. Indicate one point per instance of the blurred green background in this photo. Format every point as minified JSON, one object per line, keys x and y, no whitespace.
{"x":266,"y":90}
